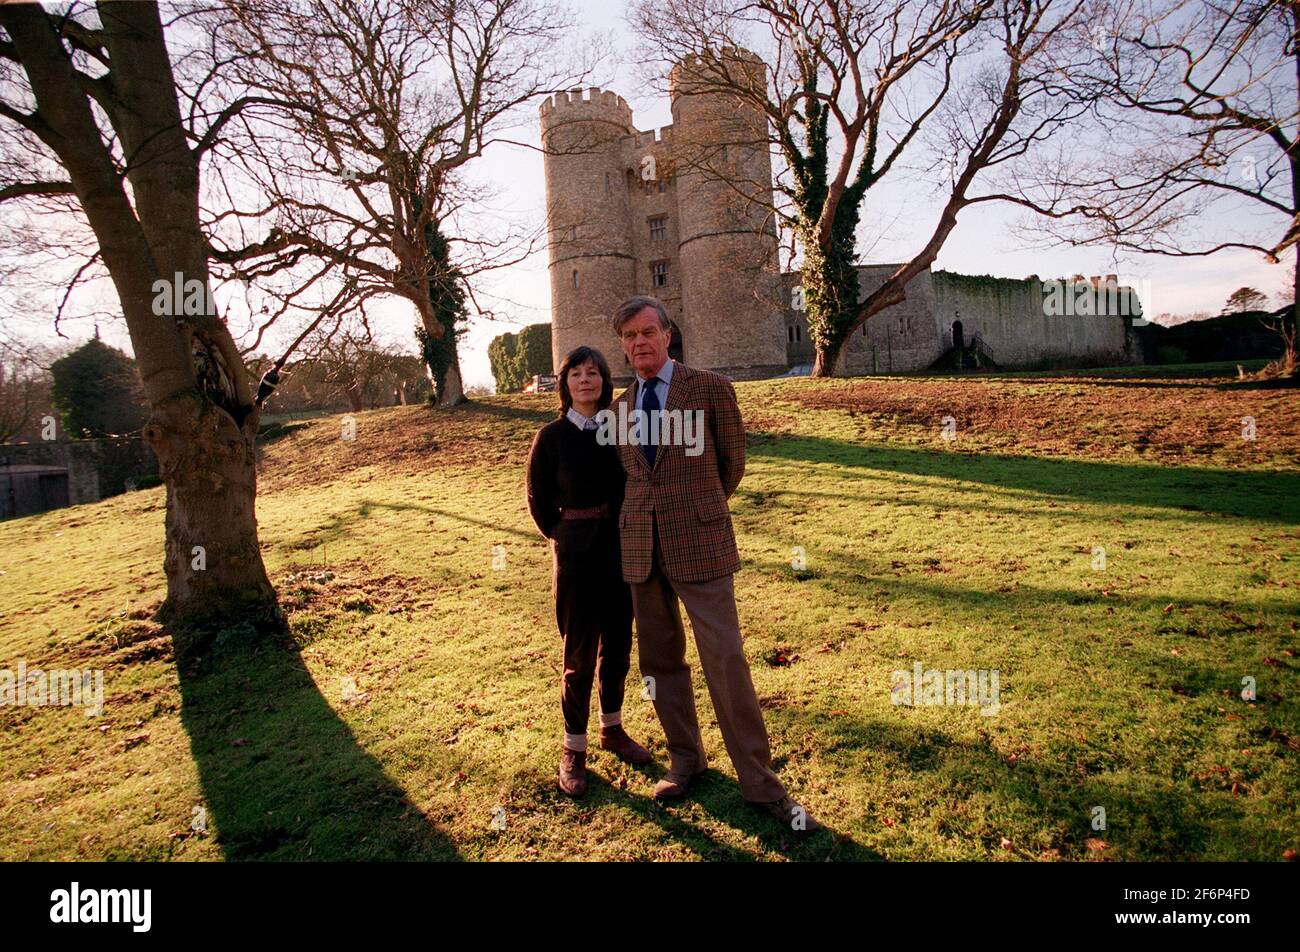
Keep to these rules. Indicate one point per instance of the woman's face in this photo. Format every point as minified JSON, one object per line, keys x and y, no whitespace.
{"x":585,"y":382}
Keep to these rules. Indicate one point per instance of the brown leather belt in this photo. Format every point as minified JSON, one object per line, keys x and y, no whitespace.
{"x":595,"y":512}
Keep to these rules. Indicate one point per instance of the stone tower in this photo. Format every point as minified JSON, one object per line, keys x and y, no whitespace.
{"x":634,"y":212}
{"x":591,"y":260}
{"x":731,"y":289}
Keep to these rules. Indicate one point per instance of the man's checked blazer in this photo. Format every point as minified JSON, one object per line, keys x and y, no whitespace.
{"x":685,"y":497}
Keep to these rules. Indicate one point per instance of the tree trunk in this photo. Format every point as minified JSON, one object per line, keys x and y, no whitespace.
{"x":203,"y":421}
{"x":1295,"y":306}
{"x":827,"y":359}
{"x":831,"y":288}
{"x":452,"y":390}
{"x":213,"y":562}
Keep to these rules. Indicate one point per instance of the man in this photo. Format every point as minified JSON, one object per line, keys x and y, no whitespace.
{"x":678,"y":543}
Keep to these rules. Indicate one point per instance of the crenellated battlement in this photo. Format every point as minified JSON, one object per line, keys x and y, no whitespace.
{"x":590,"y":103}
{"x":651,"y":136}
{"x":696,"y":67}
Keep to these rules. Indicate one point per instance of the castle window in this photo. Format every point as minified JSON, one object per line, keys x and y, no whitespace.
{"x":789,"y":333}
{"x":659,"y":274}
{"x":606,"y":183}
{"x":798,"y":332}
{"x":658,"y":229}
{"x":575,"y":277}
{"x":663,"y":186}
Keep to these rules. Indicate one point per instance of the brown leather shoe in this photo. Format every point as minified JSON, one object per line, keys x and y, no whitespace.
{"x":573,"y":772}
{"x":616,"y":740}
{"x":789,"y":814}
{"x":673,"y":786}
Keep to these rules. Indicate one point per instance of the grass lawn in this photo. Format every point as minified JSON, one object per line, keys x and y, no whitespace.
{"x":416,"y":712}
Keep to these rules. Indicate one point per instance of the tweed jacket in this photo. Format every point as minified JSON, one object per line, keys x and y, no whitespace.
{"x":684,"y":497}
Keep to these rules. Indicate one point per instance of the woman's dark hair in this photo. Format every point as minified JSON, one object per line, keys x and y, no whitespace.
{"x":577,"y":357}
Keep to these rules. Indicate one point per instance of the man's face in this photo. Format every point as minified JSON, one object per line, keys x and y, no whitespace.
{"x":644,"y":342}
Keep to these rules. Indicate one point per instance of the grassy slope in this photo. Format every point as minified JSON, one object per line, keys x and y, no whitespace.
{"x":1119,"y":688}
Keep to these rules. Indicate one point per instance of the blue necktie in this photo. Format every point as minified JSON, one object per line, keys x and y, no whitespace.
{"x":650,"y":404}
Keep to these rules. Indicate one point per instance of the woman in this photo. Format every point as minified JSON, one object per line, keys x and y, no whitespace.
{"x":575,"y":491}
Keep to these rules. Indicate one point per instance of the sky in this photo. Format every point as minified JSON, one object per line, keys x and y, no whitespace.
{"x":896,"y":218}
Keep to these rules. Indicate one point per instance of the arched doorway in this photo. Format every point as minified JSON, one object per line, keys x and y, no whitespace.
{"x":675,"y":343}
{"x":958,"y":341}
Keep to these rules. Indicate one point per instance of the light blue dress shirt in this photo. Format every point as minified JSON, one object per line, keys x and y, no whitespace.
{"x":660,"y":382}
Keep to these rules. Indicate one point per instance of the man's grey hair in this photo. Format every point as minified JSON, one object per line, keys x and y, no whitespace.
{"x":634,"y":306}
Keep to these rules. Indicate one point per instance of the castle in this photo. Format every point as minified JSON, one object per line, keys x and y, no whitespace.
{"x":626,"y":215}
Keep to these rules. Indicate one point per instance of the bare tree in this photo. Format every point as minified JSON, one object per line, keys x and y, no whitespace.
{"x":365,"y":120}
{"x":90,"y":92}
{"x":1197,"y":102}
{"x":24,"y":391}
{"x":851,"y":87}
{"x":367,"y":374}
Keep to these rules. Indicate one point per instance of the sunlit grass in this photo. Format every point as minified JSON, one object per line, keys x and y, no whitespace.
{"x":416,"y":712}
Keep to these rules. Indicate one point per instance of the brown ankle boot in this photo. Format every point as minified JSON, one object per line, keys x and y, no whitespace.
{"x":573,"y":772}
{"x":616,"y":740}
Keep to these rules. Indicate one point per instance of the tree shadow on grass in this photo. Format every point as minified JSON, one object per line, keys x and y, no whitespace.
{"x":795,"y":502}
{"x":348,"y":523}
{"x":498,"y":410}
{"x":1252,"y":494}
{"x":952,"y":600}
{"x":283,"y":777}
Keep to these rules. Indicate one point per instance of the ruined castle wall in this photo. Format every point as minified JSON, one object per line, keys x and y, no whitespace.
{"x":900,"y":338}
{"x":1010,"y":317}
{"x":799,"y":346}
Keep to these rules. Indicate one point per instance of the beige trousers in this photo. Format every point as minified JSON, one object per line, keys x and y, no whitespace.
{"x":661,"y":645}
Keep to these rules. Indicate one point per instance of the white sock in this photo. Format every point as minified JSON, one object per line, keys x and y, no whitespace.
{"x":576,"y":742}
{"x":610,"y":720}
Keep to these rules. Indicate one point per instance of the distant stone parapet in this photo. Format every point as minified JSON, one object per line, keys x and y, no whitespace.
{"x":587,"y":105}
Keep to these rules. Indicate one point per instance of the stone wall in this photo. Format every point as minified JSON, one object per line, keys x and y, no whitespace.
{"x":1010,"y":317}
{"x":1013,"y":322}
{"x":96,"y":468}
{"x":903,"y":337}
